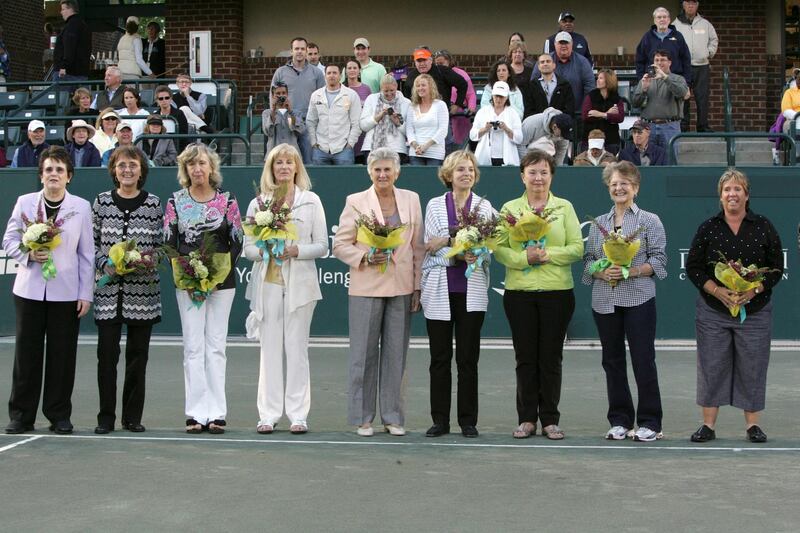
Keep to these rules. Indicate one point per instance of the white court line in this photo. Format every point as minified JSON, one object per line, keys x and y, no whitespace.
{"x":376,"y":442}
{"x":20,"y":443}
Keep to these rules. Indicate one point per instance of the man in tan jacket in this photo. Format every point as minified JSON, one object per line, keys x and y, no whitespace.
{"x":332,"y":121}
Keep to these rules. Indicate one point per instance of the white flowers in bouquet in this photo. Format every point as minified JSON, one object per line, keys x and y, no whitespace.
{"x":468,"y":235}
{"x":132,"y":256}
{"x":33,"y":233}
{"x":200,"y":270}
{"x":263,"y":218}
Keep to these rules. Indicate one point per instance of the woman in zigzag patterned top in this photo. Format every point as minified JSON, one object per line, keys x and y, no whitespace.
{"x":128,"y":227}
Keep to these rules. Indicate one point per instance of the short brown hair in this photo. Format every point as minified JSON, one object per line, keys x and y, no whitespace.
{"x":535,"y":156}
{"x":56,"y":153}
{"x":131,"y":152}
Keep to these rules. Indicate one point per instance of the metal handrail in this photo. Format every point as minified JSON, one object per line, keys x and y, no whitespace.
{"x":194,"y":136}
{"x":730,"y":143}
{"x":730,"y":135}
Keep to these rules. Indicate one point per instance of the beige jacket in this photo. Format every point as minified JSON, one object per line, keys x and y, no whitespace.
{"x":334,"y":128}
{"x":701,"y":38}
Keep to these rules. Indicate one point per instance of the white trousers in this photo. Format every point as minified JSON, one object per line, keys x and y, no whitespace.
{"x":284,"y":335}
{"x":205,"y":331}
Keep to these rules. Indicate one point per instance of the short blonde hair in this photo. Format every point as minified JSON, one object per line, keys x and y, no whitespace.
{"x":517,"y":46}
{"x":80,"y":92}
{"x":301,"y":179}
{"x":388,"y":79}
{"x":452,"y":161}
{"x":736,"y":176}
{"x":98,"y":124}
{"x":190,"y":154}
{"x":431,"y":83}
{"x":625,"y":169}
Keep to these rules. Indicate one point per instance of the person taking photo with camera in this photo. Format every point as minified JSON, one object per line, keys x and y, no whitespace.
{"x":382,"y":119}
{"x":498,"y":130}
{"x":280,"y":123}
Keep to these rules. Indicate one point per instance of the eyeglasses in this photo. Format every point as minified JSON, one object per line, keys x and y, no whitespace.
{"x":110,"y":118}
{"x":165,"y":98}
{"x":126,"y":166}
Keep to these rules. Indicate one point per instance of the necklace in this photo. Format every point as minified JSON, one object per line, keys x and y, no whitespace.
{"x":52,"y":206}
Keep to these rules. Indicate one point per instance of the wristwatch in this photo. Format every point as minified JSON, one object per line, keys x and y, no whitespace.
{"x":757,"y":290}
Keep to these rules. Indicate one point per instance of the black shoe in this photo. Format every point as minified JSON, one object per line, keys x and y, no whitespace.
{"x":103,"y":430}
{"x":15,"y":427}
{"x":469,"y":431}
{"x":62,"y":427}
{"x":755,"y":434}
{"x":133,"y":427}
{"x":437,"y":430}
{"x":704,"y":434}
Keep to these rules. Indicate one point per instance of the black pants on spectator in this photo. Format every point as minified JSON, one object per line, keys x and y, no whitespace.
{"x":136,"y":353}
{"x":46,"y":345}
{"x":638,"y":324}
{"x":467,"y":327}
{"x":538,"y":321}
{"x":700,"y":87}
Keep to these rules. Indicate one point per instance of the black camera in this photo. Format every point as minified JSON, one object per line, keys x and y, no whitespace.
{"x":281,"y":99}
{"x":651,"y":71}
{"x":495,"y":124}
{"x":390,"y":111}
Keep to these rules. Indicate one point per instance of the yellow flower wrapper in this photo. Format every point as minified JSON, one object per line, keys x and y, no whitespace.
{"x":117,"y":254}
{"x":221,"y":262}
{"x":733,"y":281}
{"x":529,"y":227}
{"x":621,"y":253}
{"x":49,"y":246}
{"x":376,"y":242}
{"x":264,"y":233}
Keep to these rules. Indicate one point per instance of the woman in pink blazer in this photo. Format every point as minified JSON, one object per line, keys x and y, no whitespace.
{"x":380,"y":303}
{"x":51,"y":308}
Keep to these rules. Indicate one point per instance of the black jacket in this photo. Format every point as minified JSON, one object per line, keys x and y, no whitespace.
{"x":657,"y":155}
{"x":73,"y":47}
{"x":158,"y":57}
{"x":535,"y":101}
{"x":445,"y":80}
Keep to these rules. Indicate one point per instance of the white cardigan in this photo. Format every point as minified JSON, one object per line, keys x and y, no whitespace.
{"x":435,"y":297}
{"x":367,"y":122}
{"x":484,"y":150}
{"x":422,"y":127}
{"x":299,"y":274}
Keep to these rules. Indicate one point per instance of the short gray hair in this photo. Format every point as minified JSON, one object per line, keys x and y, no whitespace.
{"x":660,"y":9}
{"x":383,"y":154}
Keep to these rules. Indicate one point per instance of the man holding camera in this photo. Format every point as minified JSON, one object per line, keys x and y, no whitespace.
{"x":660,"y":94}
{"x":332,"y":121}
{"x":280,"y":123}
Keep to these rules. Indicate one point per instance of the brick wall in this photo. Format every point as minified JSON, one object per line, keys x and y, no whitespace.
{"x":23,"y":29}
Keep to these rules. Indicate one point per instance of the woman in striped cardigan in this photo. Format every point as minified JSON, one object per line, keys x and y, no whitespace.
{"x":450,"y":299}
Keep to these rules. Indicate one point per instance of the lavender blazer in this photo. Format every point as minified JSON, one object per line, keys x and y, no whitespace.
{"x":74,"y":257}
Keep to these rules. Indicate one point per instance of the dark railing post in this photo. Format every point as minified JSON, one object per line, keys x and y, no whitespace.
{"x":730,"y":143}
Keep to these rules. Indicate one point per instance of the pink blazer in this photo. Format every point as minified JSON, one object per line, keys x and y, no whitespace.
{"x":403,"y":274}
{"x":74,"y":257}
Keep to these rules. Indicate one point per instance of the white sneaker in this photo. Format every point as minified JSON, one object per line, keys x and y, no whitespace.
{"x":619,"y":433}
{"x":365,"y":431}
{"x":394,"y":429}
{"x":644,"y":434}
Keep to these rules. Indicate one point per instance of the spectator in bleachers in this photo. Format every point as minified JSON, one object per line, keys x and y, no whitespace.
{"x":521,"y":65}
{"x":444,"y":78}
{"x":301,"y":79}
{"x":501,"y":71}
{"x":701,"y":38}
{"x":572,"y":67}
{"x":124,"y":138}
{"x":280,"y":123}
{"x":159,"y":152}
{"x":604,"y":110}
{"x":642,"y":152}
{"x":549,"y":131}
{"x":132,"y":109}
{"x":596,"y":155}
{"x":73,"y":45}
{"x":105,"y":135}
{"x":497,"y":129}
{"x":313,"y":57}
{"x":664,"y":36}
{"x":382,"y":118}
{"x":27,"y":155}
{"x":660,"y":95}
{"x":352,"y":80}
{"x":163,"y":98}
{"x":5,"y":68}
{"x":371,"y":71}
{"x":82,"y":98}
{"x":514,"y":39}
{"x":549,"y":90}
{"x":332,"y":121}
{"x":111,"y":96}
{"x":192,"y":103}
{"x":566,"y":22}
{"x":80,"y":150}
{"x":154,"y":50}
{"x":459,"y":124}
{"x":129,"y":48}
{"x":426,"y":123}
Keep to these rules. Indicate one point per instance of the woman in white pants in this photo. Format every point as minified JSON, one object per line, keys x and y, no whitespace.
{"x":201,"y":208}
{"x":283,"y":292}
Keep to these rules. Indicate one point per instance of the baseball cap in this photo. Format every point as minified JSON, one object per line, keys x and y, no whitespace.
{"x":123,"y":125}
{"x":34,"y":125}
{"x":640,"y":125}
{"x":361,"y":41}
{"x":565,"y":15}
{"x":563,"y":36}
{"x":500,"y":88}
{"x":155,"y":119}
{"x":421,"y":53}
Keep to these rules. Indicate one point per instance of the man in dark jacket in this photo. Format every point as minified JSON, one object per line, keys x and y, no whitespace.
{"x":566,"y":22}
{"x":664,"y":36}
{"x":27,"y":155}
{"x":548,"y":90}
{"x":642,"y":152}
{"x":73,"y":45}
{"x":444,"y":77}
{"x":154,"y":51}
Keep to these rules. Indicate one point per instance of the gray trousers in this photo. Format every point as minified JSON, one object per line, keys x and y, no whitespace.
{"x":379,"y":335}
{"x":732,"y":357}
{"x":700,"y":89}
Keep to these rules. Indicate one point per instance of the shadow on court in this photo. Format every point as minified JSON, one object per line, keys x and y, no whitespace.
{"x":332,"y":480}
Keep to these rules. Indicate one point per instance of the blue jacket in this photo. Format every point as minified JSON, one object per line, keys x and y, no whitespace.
{"x":657,"y":155}
{"x":674,"y":43}
{"x":577,"y":71}
{"x":91,"y":155}
{"x":28,"y":156}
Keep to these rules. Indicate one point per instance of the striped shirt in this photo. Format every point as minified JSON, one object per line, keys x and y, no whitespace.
{"x":632,"y":291}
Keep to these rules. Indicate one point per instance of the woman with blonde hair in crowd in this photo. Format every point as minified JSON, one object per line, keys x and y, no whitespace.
{"x":82,"y":98}
{"x":382,"y":119}
{"x":105,"y":135}
{"x":427,"y":121}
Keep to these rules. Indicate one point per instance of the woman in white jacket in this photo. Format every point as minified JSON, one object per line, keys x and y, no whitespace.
{"x":498,"y":130}
{"x":385,"y":128}
{"x":283,"y":292}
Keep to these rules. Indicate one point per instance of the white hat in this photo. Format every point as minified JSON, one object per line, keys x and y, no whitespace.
{"x":563,"y":36}
{"x":132,"y":19}
{"x":80,"y":123}
{"x":596,"y":143}
{"x":500,"y":88}
{"x":34,"y":125}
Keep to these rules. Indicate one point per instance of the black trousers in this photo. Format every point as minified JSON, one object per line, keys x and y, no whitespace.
{"x":638,"y":324}
{"x":538,"y":321}
{"x":44,"y":329}
{"x":137,"y":348}
{"x":467,"y":327}
{"x":700,"y":90}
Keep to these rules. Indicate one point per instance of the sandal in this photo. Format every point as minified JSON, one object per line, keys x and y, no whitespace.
{"x":298,"y":429}
{"x":216,"y":427}
{"x":193,"y":426}
{"x":553,"y":432}
{"x":265,"y":429}
{"x":525,"y":430}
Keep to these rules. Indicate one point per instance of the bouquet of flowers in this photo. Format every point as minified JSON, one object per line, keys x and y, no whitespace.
{"x":474,"y":233}
{"x":271,"y":225}
{"x":43,"y":234}
{"x":737,"y":277}
{"x":378,"y":236}
{"x":201,"y":270}
{"x":620,"y":250}
{"x":125,"y":257}
{"x":529,"y":226}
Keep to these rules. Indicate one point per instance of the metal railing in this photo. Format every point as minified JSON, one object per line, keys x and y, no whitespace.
{"x":730,"y":136}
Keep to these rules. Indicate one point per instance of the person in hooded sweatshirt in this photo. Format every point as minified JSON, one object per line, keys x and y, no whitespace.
{"x":550,"y":131}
